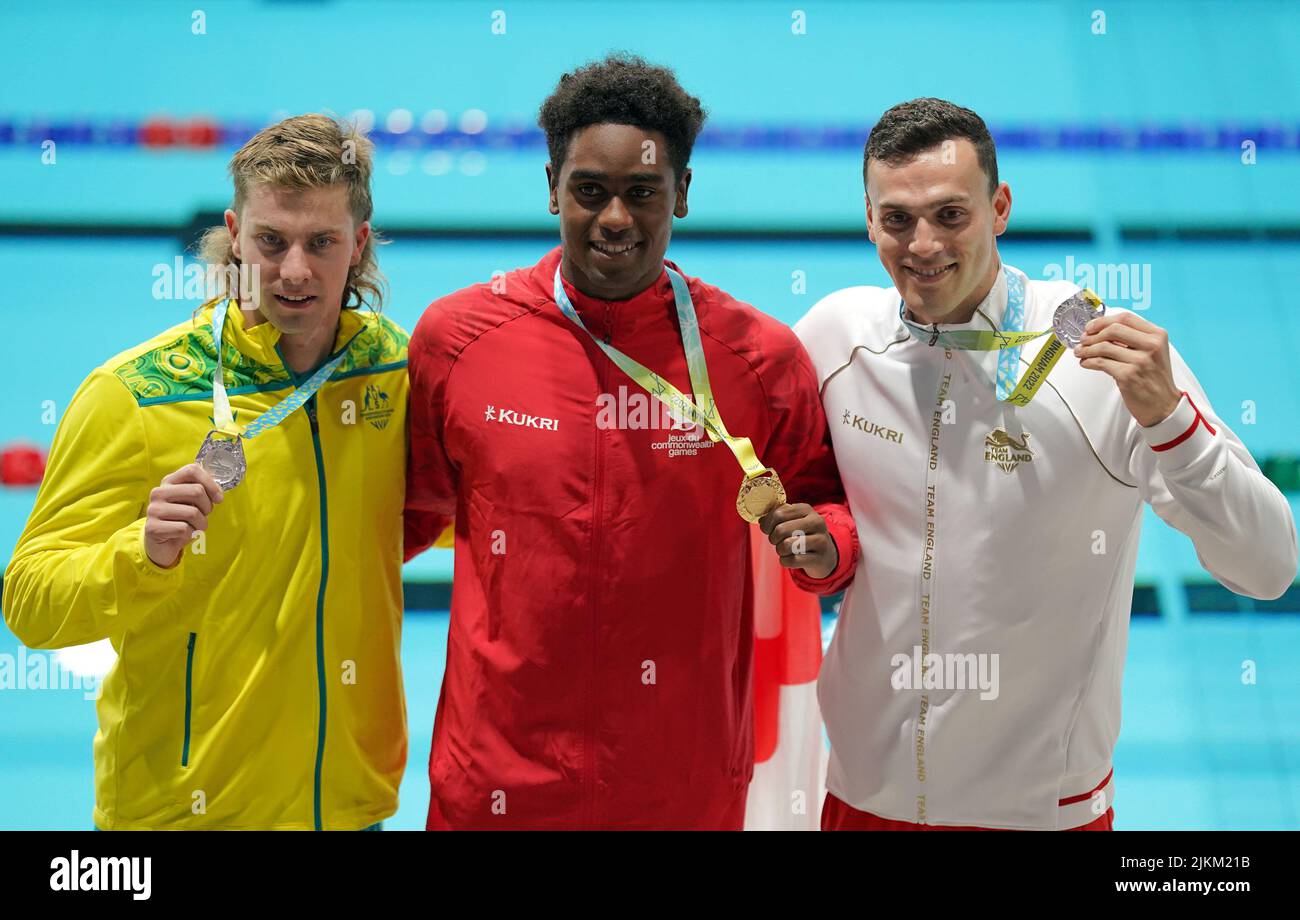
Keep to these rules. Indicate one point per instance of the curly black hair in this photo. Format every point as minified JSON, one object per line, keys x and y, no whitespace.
{"x":623,"y":89}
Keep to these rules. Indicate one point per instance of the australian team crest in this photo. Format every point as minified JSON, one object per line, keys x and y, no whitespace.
{"x":375,"y":407}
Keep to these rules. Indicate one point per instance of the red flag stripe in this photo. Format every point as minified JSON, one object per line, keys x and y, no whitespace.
{"x":1084,"y":796}
{"x":1199,"y":420}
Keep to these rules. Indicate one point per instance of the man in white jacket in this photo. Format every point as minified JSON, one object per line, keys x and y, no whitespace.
{"x":974,"y":679}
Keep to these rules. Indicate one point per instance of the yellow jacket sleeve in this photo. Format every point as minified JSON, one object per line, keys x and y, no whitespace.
{"x":80,"y":572}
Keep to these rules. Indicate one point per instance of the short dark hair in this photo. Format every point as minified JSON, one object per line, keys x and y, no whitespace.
{"x":622,"y":90}
{"x":911,"y":127}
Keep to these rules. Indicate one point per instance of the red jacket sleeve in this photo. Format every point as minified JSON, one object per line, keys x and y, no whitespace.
{"x":799,"y":449}
{"x":432,"y":479}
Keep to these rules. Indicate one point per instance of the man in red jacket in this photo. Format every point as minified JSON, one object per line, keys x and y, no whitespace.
{"x":599,"y":659}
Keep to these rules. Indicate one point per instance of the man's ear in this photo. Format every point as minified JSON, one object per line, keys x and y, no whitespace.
{"x":680,"y":209}
{"x":552,"y":184}
{"x":232,"y":227}
{"x":1001,"y":208}
{"x":871,"y":230}
{"x":363,"y":234}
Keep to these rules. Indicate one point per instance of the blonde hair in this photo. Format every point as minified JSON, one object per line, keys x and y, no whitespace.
{"x":304,"y":152}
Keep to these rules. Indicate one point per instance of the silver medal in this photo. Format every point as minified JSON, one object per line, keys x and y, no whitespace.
{"x":224,"y":459}
{"x":1075,"y":313}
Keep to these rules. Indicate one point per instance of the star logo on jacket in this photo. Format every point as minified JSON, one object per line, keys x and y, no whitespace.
{"x":1004,"y":450}
{"x":375,"y":408}
{"x":522,"y":419}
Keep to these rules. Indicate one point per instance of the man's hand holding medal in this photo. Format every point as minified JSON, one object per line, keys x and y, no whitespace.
{"x":1135,"y":353}
{"x":178,"y":508}
{"x":801,"y":539}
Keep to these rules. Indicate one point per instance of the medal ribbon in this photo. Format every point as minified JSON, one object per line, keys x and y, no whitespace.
{"x":704,"y":411}
{"x":222,"y":417}
{"x":1008,"y":343}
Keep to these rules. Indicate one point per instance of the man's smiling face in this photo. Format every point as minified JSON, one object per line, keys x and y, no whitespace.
{"x":935,"y":226}
{"x":616,"y":196}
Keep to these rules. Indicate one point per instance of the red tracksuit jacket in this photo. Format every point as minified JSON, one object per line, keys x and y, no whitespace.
{"x":599,"y":659}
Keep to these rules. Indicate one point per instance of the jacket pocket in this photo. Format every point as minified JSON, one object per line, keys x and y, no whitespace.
{"x":189,"y":697}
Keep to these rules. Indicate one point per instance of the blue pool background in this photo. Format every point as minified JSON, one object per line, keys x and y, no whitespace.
{"x":1219,"y":239}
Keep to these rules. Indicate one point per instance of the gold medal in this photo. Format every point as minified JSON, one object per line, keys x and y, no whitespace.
{"x":759,"y":495}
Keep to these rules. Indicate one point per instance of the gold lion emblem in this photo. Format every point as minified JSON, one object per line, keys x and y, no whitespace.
{"x":1004,"y":450}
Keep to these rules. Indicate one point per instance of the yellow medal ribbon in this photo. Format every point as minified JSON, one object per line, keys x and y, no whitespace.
{"x":1067,"y":327}
{"x":762,"y":490}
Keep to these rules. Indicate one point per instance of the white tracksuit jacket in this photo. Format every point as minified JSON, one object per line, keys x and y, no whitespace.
{"x":988,"y":530}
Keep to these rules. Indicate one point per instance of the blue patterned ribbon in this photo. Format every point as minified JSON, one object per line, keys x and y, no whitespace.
{"x":221,"y":414}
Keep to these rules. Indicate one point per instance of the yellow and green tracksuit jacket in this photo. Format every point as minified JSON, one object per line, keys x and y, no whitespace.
{"x":258,"y":683}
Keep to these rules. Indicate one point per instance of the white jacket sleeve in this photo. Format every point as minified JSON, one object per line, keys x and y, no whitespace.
{"x":1202,"y":480}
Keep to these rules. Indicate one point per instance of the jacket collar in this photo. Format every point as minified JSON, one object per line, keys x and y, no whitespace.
{"x":622,"y":319}
{"x":259,"y":342}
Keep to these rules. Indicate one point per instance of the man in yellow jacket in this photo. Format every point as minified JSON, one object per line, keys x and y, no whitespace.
{"x":253,"y":597}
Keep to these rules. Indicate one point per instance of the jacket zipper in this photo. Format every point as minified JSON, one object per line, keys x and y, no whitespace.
{"x":320,"y":609}
{"x":320,"y":594}
{"x":189,"y":697}
{"x":310,"y":408}
{"x":598,"y":508}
